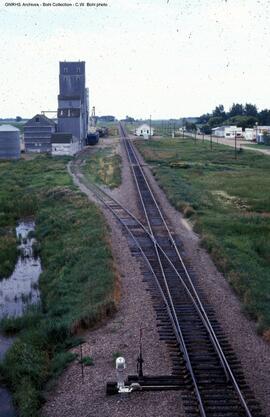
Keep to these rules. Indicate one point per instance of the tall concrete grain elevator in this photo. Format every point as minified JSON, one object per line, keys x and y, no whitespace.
{"x":73,"y":101}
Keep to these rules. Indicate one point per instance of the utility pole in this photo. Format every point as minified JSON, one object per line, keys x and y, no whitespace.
{"x":150,"y":127}
{"x":235,"y":143}
{"x":211,"y":141}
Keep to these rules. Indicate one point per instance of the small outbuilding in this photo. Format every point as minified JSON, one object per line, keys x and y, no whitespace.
{"x":144,"y":130}
{"x":37,"y":134}
{"x":64,"y":144}
{"x":261,"y":133}
{"x":249,"y":134}
{"x":229,"y":132}
{"x":10,"y":147}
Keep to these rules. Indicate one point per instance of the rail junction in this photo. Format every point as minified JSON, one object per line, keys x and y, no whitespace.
{"x":204,"y":366}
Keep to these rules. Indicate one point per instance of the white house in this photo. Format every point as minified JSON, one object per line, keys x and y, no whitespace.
{"x":65,"y":144}
{"x":228,"y":132}
{"x":144,"y":130}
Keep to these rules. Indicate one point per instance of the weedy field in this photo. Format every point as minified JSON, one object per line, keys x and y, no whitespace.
{"x":103,"y":166}
{"x":78,"y":279}
{"x":228,"y":202}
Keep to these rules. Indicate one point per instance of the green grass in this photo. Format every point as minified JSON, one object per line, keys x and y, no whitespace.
{"x":87,"y":361}
{"x":8,"y":251}
{"x":22,"y":183}
{"x":257,"y":146}
{"x":77,"y":282}
{"x":103,"y":167}
{"x":130,"y":127}
{"x":228,"y":202}
{"x":15,"y":124}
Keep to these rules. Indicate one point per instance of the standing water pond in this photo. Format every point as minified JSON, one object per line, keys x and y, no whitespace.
{"x":17,"y":293}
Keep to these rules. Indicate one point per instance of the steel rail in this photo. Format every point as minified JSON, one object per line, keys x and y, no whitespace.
{"x":97,"y":190}
{"x":195,"y":294}
{"x":169,"y":306}
{"x":209,"y":327}
{"x":205,"y":320}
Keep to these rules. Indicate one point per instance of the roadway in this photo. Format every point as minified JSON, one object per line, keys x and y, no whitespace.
{"x":230,"y":142}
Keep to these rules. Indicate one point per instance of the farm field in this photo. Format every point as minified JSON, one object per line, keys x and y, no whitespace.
{"x":78,"y":279}
{"x":18,"y":125}
{"x":228,"y":203}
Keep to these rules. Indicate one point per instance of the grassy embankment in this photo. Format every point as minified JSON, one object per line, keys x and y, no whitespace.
{"x":228,"y":201}
{"x":257,"y":146}
{"x":78,"y":280}
{"x":103,"y":167}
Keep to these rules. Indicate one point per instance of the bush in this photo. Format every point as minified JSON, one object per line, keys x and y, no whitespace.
{"x":87,"y":361}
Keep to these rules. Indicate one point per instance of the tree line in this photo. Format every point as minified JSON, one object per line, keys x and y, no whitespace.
{"x":240,"y":115}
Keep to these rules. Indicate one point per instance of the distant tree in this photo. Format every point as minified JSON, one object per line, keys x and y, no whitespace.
{"x":129,"y":119}
{"x":236,"y":110}
{"x":206,"y":129}
{"x":203,"y":119}
{"x":215,"y":121}
{"x":264,"y":117}
{"x":18,"y":119}
{"x":241,"y":121}
{"x":251,"y":110}
{"x":219,"y":112}
{"x":240,"y":115}
{"x":190,"y":126}
{"x":106,"y":118}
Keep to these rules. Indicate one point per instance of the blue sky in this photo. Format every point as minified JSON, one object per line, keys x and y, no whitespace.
{"x":166,"y":58}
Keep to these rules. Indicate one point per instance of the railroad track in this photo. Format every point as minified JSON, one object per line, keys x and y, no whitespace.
{"x":213,"y":383}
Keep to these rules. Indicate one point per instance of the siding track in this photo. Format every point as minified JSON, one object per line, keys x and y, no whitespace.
{"x":213,"y":383}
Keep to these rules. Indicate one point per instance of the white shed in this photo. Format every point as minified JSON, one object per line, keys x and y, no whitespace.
{"x":64,"y":144}
{"x":228,"y":132}
{"x":144,"y":130}
{"x":249,"y":133}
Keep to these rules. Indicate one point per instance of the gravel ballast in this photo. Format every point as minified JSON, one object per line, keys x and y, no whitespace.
{"x":250,"y":348}
{"x":73,"y":397}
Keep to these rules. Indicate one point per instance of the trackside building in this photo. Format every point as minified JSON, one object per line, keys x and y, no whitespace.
{"x":73,"y":101}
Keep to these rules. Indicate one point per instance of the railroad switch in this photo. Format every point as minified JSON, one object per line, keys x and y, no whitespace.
{"x":140,"y":382}
{"x":146,"y":383}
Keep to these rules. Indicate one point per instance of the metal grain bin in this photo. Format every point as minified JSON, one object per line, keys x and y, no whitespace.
{"x":9,"y":142}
